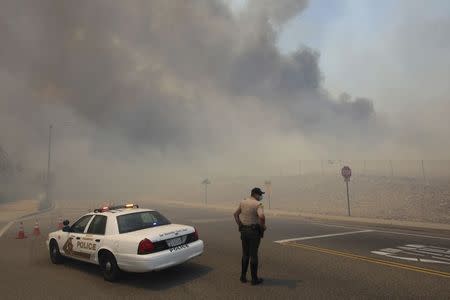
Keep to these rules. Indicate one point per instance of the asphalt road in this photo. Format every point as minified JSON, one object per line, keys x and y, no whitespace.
{"x":311,"y":260}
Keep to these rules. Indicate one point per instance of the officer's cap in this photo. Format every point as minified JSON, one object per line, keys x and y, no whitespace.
{"x":257,"y":191}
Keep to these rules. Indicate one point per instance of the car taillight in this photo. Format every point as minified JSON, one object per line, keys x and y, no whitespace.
{"x":145,"y":247}
{"x":195,"y":234}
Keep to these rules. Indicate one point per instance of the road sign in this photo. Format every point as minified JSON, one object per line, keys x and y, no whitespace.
{"x":346,"y":173}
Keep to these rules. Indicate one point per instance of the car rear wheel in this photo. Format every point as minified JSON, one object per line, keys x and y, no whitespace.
{"x":55,"y":255}
{"x":110,"y":270}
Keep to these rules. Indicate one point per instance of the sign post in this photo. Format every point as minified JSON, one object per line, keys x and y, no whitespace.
{"x":268,"y":185}
{"x":206,"y":182}
{"x":347,"y":173}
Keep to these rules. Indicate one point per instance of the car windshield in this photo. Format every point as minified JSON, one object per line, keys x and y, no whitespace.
{"x":140,"y":220}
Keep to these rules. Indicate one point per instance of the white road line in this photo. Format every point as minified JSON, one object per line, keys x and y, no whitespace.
{"x":416,"y":235}
{"x":5,"y":228}
{"x":211,"y":220}
{"x":322,"y":236}
{"x":334,"y":225}
{"x":384,"y":231}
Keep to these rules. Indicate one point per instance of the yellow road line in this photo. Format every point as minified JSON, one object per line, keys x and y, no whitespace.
{"x":369,"y":259}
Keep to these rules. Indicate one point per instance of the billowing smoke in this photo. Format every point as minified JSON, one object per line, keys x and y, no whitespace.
{"x":178,"y":79}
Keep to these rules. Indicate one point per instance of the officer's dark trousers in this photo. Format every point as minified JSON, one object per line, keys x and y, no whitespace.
{"x":250,"y":244}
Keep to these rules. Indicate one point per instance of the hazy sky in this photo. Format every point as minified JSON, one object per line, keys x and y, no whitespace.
{"x":402,"y":41}
{"x":397,"y":53}
{"x":372,"y":31}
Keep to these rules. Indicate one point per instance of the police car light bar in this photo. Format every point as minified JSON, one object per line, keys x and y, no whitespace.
{"x":106,"y":208}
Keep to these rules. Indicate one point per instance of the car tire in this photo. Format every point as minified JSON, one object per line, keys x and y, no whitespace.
{"x":55,"y":255}
{"x":109,"y":267}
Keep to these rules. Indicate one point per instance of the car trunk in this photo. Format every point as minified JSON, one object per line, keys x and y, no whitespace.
{"x":161,"y":233}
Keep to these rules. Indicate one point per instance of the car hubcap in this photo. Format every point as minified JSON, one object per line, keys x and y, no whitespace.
{"x":108,"y":266}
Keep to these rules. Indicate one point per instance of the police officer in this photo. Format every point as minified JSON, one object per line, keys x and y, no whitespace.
{"x":251,"y":221}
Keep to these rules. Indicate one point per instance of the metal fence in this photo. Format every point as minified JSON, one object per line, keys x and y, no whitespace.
{"x":419,"y":169}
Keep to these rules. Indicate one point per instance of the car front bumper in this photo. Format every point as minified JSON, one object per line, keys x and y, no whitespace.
{"x":160,"y":260}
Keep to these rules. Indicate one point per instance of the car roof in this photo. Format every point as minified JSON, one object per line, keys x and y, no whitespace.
{"x":122,"y":211}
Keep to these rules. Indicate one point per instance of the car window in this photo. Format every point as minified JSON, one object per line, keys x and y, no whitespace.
{"x":98,"y":225}
{"x":80,"y":225}
{"x":140,"y":220}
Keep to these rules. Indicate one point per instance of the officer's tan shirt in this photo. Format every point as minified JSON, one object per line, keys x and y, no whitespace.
{"x":250,"y":211}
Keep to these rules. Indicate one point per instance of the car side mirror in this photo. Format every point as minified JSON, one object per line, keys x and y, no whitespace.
{"x":66,"y":227}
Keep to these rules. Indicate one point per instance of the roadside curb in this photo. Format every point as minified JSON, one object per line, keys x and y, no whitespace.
{"x":355,"y":220}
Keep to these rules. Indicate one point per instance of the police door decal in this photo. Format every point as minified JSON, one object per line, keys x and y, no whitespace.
{"x":69,"y":249}
{"x":87,"y":243}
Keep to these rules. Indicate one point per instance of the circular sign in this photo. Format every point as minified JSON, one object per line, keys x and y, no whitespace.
{"x":346,"y":172}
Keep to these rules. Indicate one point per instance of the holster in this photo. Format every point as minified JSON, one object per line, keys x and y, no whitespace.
{"x":260,"y":230}
{"x":252,"y":228}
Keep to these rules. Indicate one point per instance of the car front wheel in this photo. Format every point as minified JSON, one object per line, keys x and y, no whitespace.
{"x":55,"y":255}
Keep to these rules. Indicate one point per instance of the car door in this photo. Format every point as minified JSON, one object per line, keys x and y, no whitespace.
{"x":73,"y":247}
{"x":94,"y":237}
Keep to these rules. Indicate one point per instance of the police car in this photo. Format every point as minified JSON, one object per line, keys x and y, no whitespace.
{"x":125,"y":238}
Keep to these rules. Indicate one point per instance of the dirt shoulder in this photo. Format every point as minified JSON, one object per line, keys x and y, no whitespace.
{"x":13,"y":210}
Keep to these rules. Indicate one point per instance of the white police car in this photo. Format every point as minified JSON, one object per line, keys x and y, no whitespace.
{"x":125,"y":238}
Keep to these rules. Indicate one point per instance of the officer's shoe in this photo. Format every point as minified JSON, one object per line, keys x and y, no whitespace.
{"x":243,"y":279}
{"x":257,"y":281}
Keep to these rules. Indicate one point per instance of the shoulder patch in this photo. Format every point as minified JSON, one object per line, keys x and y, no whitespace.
{"x":261,"y":205}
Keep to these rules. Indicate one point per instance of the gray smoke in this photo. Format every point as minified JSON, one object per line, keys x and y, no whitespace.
{"x":142,"y":68}
{"x":162,"y":79}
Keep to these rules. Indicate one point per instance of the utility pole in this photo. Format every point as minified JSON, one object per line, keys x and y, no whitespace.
{"x":48,"y":162}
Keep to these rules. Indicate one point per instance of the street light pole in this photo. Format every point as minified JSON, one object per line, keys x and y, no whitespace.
{"x":48,"y":162}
